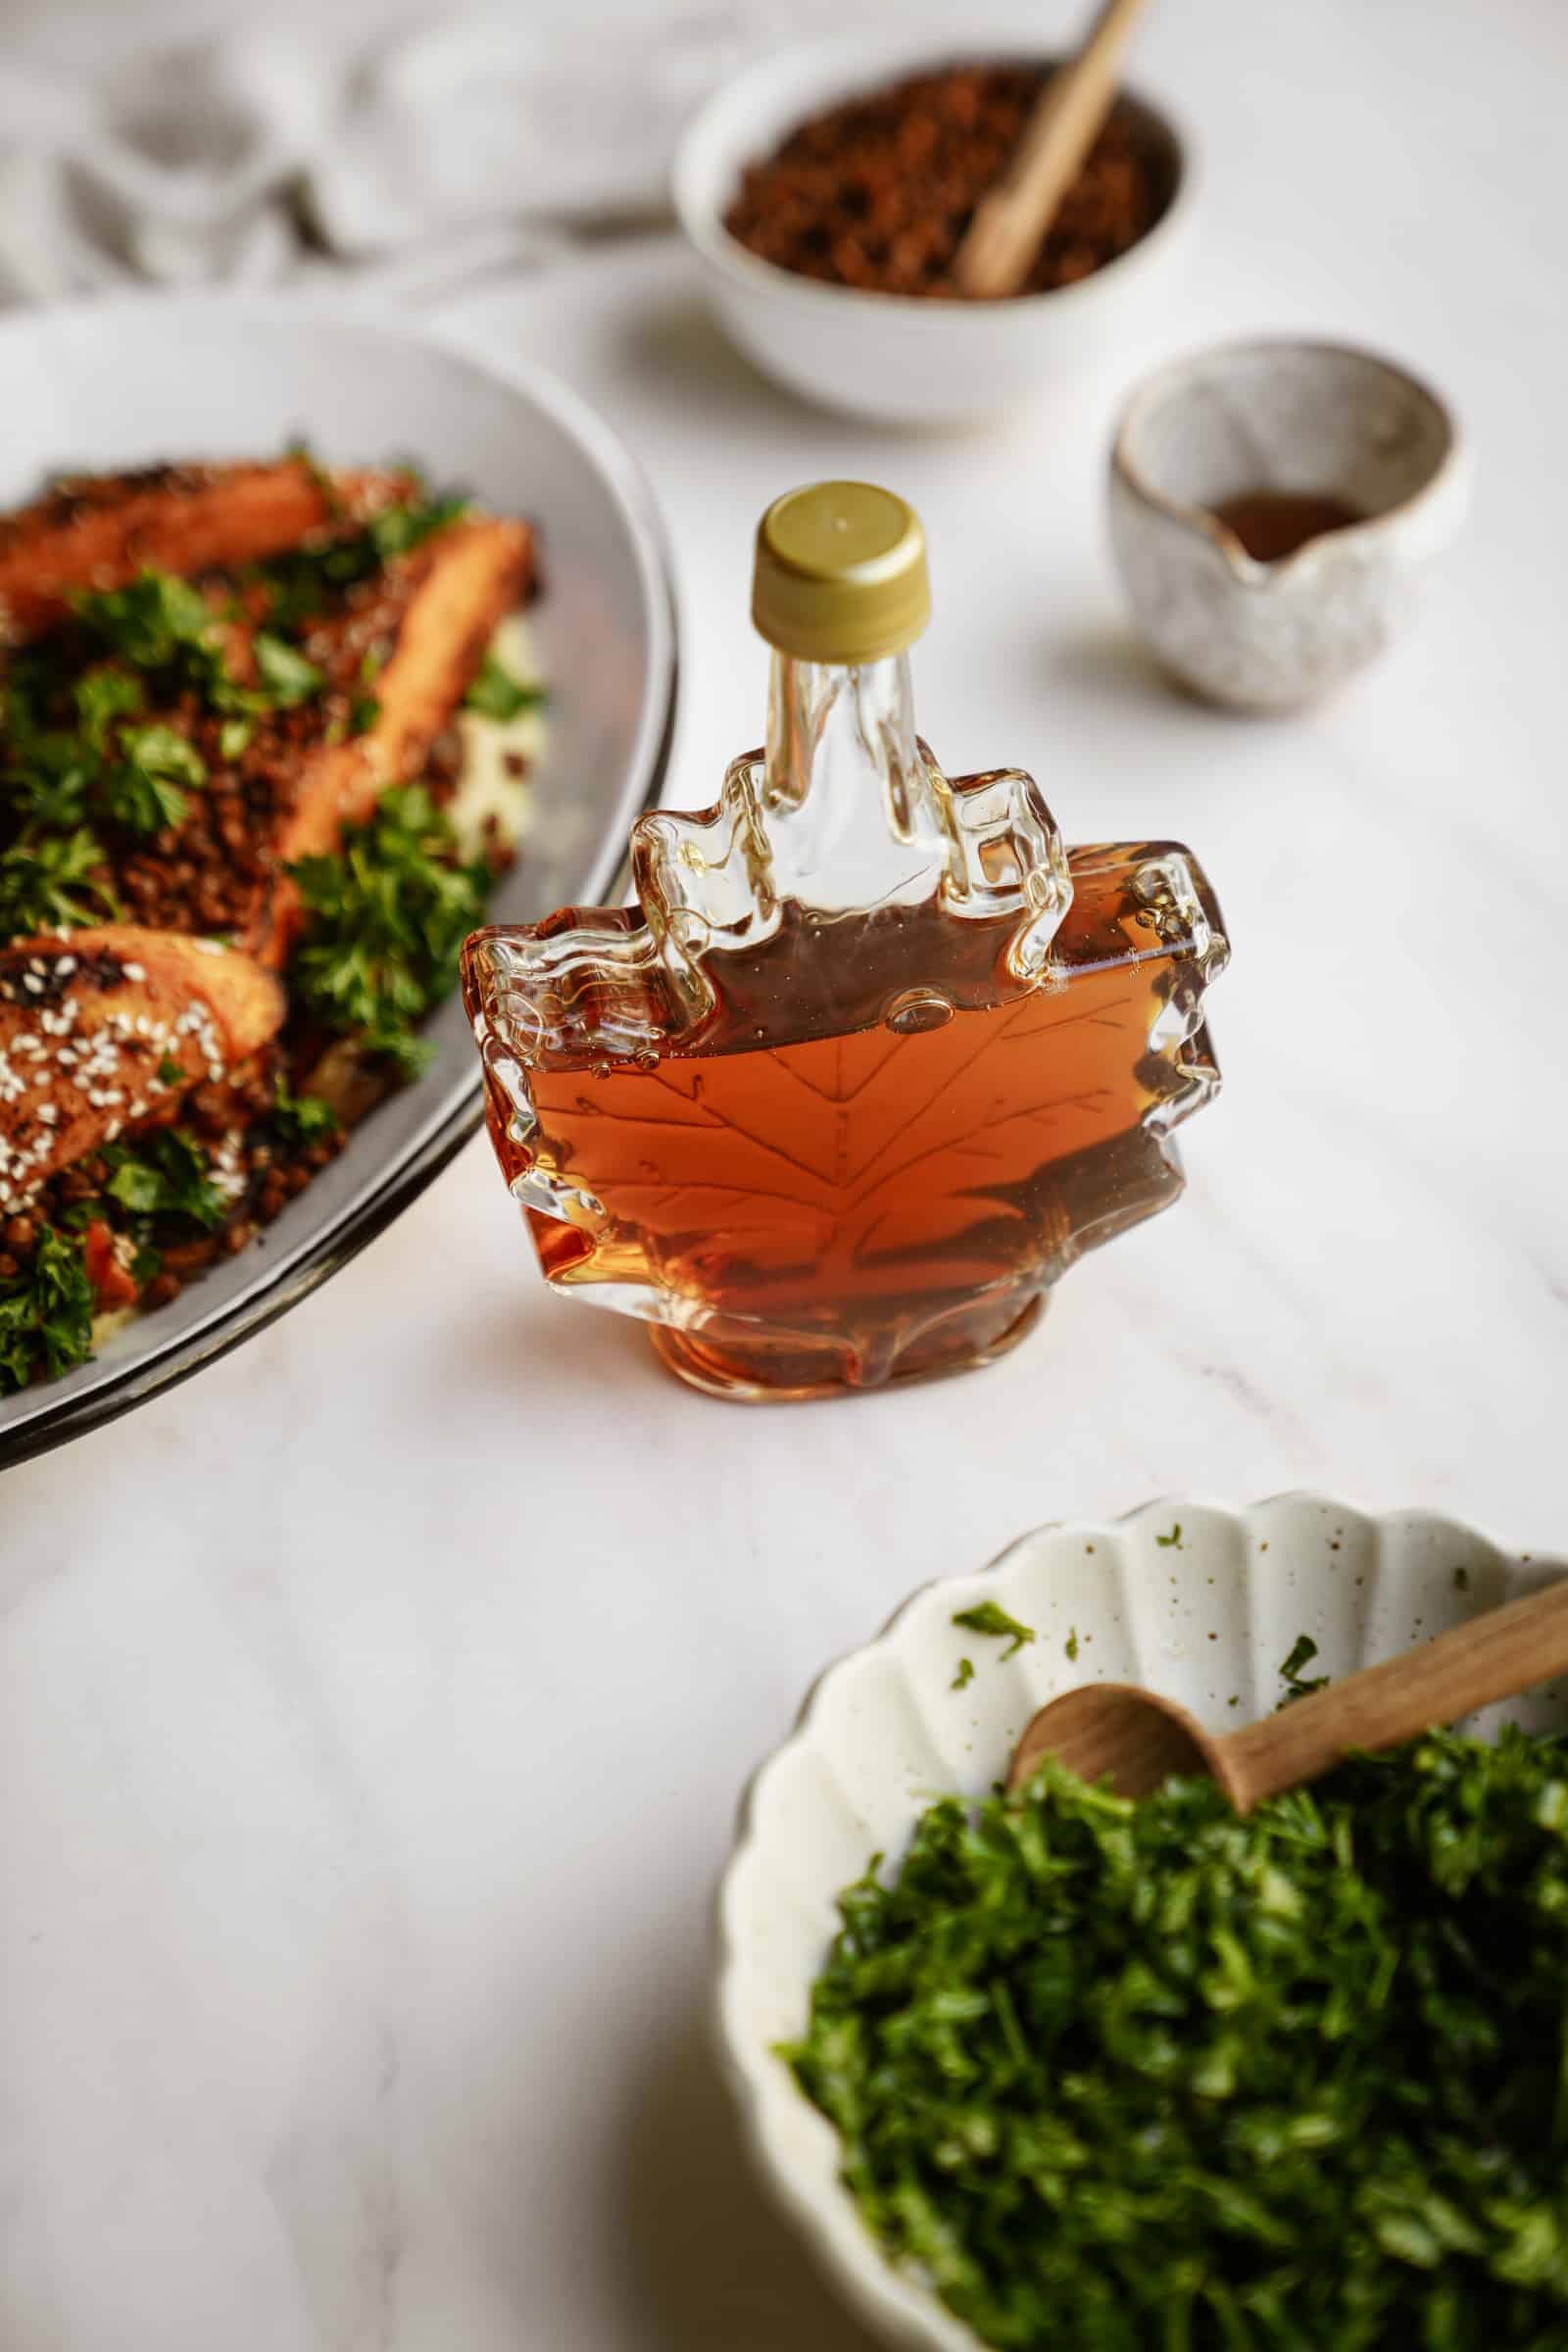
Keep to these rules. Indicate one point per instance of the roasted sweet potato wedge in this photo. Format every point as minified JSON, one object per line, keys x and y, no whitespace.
{"x":470,"y":577}
{"x":100,"y":531}
{"x":103,"y":1030}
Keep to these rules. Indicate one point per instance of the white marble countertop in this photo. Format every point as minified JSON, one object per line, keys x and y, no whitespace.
{"x":372,"y":1709}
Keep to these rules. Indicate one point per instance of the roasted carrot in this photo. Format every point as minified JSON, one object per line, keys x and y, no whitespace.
{"x":470,"y":577}
{"x":100,"y":531}
{"x":103,"y":1030}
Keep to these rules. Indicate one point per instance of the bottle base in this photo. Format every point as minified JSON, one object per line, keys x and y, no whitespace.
{"x":774,"y":1375}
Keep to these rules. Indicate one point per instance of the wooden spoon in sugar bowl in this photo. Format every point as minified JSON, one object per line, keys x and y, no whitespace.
{"x":1001,"y":240}
{"x":1138,"y":1740}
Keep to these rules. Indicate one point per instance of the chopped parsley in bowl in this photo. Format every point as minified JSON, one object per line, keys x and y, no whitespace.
{"x":1147,"y":2078}
{"x":946,"y":2098}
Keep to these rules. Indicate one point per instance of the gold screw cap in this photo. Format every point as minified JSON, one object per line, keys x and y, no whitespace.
{"x":840,"y":573}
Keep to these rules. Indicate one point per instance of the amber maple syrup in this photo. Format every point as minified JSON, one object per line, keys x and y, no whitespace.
{"x":838,"y":1208}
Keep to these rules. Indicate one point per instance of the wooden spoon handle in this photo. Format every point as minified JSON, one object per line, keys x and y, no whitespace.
{"x":1491,"y":1657}
{"x":1003,"y":237}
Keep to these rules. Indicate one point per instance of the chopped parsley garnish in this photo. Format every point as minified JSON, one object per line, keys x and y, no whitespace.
{"x":964,"y":1676}
{"x":164,"y":1175}
{"x":387,"y":916}
{"x":47,"y":885}
{"x":162,"y":634}
{"x":1175,"y":1536}
{"x":161,"y":630}
{"x":81,"y":755}
{"x":1303,"y":1649}
{"x":497,"y":694}
{"x":156,"y":622}
{"x":111,"y":774}
{"x":160,"y":752}
{"x":142,"y":802}
{"x":399,"y":531}
{"x":85,"y":761}
{"x":141,"y":790}
{"x":989,"y":1617}
{"x":101,"y":697}
{"x":300,"y":1120}
{"x":284,"y":671}
{"x":47,"y":781}
{"x":1148,"y":2078}
{"x":308,"y":580}
{"x":1070,"y":1647}
{"x":46,"y":1312}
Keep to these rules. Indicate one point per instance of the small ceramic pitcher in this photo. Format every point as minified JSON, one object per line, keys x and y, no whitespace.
{"x":1314,"y":421}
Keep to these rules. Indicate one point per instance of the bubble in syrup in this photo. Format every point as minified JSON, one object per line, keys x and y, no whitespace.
{"x":917,"y":1009}
{"x":600,"y":1069}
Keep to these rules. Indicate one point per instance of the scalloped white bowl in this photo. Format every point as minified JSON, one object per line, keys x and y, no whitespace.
{"x":1207,"y":1618}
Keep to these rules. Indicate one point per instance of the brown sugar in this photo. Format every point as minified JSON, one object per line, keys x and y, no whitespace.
{"x":877,"y":191}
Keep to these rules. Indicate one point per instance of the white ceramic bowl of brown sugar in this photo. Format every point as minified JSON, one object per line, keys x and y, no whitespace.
{"x":1275,"y":508}
{"x":902,"y":358}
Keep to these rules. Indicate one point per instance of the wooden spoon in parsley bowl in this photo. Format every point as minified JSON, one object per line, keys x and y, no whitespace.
{"x":1137,"y":1741}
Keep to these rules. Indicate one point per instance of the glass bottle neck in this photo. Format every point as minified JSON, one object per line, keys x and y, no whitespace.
{"x":830,"y":724}
{"x":849,"y":805}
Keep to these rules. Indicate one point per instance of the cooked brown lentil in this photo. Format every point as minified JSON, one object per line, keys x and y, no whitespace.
{"x":877,"y":192}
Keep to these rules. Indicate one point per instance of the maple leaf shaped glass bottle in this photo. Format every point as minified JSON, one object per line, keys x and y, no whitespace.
{"x":873,"y":1059}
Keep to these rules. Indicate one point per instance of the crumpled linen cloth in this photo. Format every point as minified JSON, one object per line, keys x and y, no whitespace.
{"x":459,"y":147}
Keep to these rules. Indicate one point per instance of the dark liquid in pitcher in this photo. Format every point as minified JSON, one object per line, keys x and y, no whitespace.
{"x":1271,"y":523}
